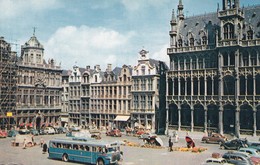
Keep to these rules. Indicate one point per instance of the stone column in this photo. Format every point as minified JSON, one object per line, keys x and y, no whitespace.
{"x":237,"y":123}
{"x":179,"y":121}
{"x":192,"y":120}
{"x":186,"y":85}
{"x":254,"y":126}
{"x":220,"y":122}
{"x":179,"y":86}
{"x":205,"y":119}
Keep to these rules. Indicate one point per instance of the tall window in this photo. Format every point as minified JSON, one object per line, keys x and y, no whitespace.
{"x":229,"y":31}
{"x":250,"y":34}
{"x":204,"y":40}
{"x":191,"y":41}
{"x":180,"y":43}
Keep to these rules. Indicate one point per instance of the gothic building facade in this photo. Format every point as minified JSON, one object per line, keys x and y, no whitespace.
{"x":214,"y":76}
{"x":38,"y":94}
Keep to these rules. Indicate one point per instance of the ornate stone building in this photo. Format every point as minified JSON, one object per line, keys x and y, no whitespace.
{"x":38,"y":99}
{"x":145,"y":91}
{"x":214,"y":77}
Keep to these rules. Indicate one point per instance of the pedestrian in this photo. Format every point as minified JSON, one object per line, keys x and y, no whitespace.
{"x":170,"y":144}
{"x":33,"y":140}
{"x":41,"y":141}
{"x":44,"y":148}
{"x":176,"y":138}
{"x":24,"y":143}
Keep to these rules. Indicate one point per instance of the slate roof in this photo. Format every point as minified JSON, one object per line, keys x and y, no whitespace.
{"x":209,"y":22}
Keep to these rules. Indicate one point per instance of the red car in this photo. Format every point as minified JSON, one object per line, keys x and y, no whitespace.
{"x":3,"y":134}
{"x":114,"y":132}
{"x":214,"y":138}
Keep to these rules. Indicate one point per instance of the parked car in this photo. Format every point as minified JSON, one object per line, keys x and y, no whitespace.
{"x":24,"y":131}
{"x":114,"y":132}
{"x":234,"y":144}
{"x":211,"y":161}
{"x":3,"y":134}
{"x":253,"y":153}
{"x":255,"y":145}
{"x":12,"y":133}
{"x":238,"y":158}
{"x":49,"y":130}
{"x":34,"y":132}
{"x":214,"y":138}
{"x":61,"y":130}
{"x":75,"y":128}
{"x":41,"y":131}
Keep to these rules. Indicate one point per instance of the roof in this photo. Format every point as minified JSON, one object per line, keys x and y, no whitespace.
{"x":209,"y":23}
{"x":33,"y":42}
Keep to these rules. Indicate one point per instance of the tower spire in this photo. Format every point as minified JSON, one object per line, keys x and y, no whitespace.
{"x":180,"y":10}
{"x":34,"y":29}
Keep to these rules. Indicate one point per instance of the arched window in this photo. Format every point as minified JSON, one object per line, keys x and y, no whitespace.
{"x":229,"y":31}
{"x":180,"y":43}
{"x":191,"y":41}
{"x":250,"y":34}
{"x":204,"y":40}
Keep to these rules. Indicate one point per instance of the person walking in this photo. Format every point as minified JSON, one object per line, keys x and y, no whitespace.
{"x":24,"y":143}
{"x":170,"y":144}
{"x":44,"y":148}
{"x":176,"y":138}
{"x":41,"y":142}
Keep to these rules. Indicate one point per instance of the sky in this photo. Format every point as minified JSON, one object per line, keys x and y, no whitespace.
{"x":97,"y":32}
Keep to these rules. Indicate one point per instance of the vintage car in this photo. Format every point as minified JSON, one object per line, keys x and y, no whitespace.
{"x":114,"y":132}
{"x":253,"y":153}
{"x":238,"y":158}
{"x":234,"y":144}
{"x":34,"y":132}
{"x":49,"y":130}
{"x":214,"y":138}
{"x":255,"y":145}
{"x":220,"y":161}
{"x":12,"y":133}
{"x":3,"y":134}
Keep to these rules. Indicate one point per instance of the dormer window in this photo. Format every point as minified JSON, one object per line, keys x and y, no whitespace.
{"x":143,"y":70}
{"x":180,"y":43}
{"x":204,"y":40}
{"x":191,"y":41}
{"x":250,"y":34}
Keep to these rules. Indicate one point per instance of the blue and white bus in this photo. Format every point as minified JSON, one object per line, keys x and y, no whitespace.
{"x":93,"y":151}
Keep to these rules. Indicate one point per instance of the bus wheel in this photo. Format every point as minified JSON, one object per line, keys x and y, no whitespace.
{"x":65,"y":157}
{"x":100,"y":162}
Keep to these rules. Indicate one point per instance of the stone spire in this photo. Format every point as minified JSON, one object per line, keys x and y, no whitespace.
{"x":180,"y":10}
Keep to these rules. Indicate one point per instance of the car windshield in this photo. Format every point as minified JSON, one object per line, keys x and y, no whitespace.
{"x":111,"y":149}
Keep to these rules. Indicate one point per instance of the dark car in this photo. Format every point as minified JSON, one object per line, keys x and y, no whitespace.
{"x":238,"y":158}
{"x":234,"y":144}
{"x":114,"y":132}
{"x":214,"y":138}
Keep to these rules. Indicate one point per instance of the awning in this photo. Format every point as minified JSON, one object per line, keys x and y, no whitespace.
{"x":121,"y":118}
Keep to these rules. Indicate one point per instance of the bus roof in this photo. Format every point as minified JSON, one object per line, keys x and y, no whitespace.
{"x":98,"y":143}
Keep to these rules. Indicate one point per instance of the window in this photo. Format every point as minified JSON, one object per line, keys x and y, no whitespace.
{"x":250,"y":34}
{"x":229,"y":31}
{"x":180,"y":43}
{"x":204,"y":40}
{"x":191,"y":41}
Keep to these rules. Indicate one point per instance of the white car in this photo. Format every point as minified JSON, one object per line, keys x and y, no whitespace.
{"x":211,"y":161}
{"x":49,"y":130}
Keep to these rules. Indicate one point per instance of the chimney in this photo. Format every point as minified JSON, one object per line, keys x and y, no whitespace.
{"x":109,"y":67}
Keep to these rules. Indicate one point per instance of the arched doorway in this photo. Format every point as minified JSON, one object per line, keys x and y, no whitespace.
{"x":246,"y":117}
{"x":199,"y":118}
{"x":185,"y":115}
{"x":173,"y":115}
{"x":229,"y":118}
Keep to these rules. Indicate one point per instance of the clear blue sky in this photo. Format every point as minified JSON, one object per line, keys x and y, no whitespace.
{"x":90,"y":32}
